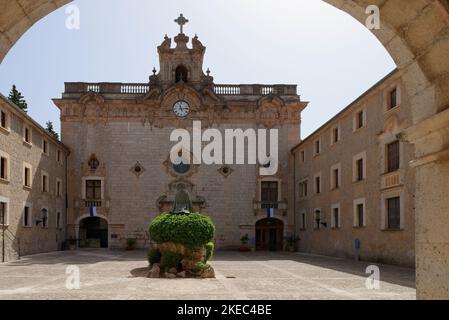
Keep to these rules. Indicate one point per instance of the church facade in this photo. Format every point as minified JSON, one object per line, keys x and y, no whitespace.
{"x":120,"y":166}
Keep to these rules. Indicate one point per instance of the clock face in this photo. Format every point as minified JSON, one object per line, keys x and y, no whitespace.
{"x":181,"y":109}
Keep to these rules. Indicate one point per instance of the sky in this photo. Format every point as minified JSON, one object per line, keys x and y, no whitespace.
{"x":330,"y":56}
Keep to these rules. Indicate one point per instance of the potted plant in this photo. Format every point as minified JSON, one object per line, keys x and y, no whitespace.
{"x":244,"y":243}
{"x":131,"y":243}
{"x":291,"y":242}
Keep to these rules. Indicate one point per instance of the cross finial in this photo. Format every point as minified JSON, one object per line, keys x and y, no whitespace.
{"x":181,"y":21}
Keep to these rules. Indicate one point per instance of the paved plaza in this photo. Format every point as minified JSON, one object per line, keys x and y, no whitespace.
{"x":108,"y":274}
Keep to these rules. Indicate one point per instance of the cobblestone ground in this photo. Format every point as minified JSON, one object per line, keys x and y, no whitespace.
{"x":107,"y":274}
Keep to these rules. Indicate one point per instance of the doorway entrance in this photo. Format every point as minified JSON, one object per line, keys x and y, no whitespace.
{"x":93,"y":233}
{"x":269,"y":234}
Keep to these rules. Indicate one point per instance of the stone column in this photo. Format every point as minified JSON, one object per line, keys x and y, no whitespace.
{"x":431,"y":139}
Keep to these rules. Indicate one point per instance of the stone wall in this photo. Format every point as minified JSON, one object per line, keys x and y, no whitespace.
{"x":131,"y":201}
{"x":21,"y":240}
{"x":378,"y":244}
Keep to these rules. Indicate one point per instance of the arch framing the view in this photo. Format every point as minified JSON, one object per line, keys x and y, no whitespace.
{"x":417,"y":37}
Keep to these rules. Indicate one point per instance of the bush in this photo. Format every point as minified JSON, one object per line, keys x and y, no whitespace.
{"x":209,"y":251}
{"x":193,"y":230}
{"x":170,"y":259}
{"x":200,"y":266}
{"x":154,"y":256}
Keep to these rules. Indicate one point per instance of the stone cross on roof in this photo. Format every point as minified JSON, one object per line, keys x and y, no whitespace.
{"x":181,"y":21}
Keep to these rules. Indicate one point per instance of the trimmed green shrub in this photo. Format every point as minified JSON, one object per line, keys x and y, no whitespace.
{"x":209,"y":251}
{"x":200,"y":266}
{"x":154,"y":256}
{"x":192,"y":230}
{"x":170,"y":259}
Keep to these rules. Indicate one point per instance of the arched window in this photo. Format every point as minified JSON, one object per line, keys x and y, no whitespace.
{"x":181,"y":74}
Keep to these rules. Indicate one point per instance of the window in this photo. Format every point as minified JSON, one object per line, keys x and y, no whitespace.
{"x":44,"y":146}
{"x":27,"y":216}
{"x":58,"y":187}
{"x":359,"y":119}
{"x":4,"y":168}
{"x":269,"y":192}
{"x":303,"y":156}
{"x":44,"y":181}
{"x":359,"y":213}
{"x":303,"y":186}
{"x":394,"y":213}
{"x":393,"y":156}
{"x":58,"y":220}
{"x":27,"y":135}
{"x":393,"y":99}
{"x":4,"y":219}
{"x":302,"y":221}
{"x":317,"y":218}
{"x":58,"y":156}
{"x":4,"y":120}
{"x":317,"y":147}
{"x":93,"y":189}
{"x":335,"y":135}
{"x":336,"y":179}
{"x":318,"y":184}
{"x":335,"y":220}
{"x":27,"y":176}
{"x":45,"y":215}
{"x":359,"y":167}
{"x":335,"y":176}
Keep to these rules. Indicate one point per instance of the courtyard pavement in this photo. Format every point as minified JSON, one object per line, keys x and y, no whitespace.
{"x":110,"y":274}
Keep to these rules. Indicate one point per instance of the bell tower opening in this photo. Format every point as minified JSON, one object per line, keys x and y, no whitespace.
{"x":181,"y":74}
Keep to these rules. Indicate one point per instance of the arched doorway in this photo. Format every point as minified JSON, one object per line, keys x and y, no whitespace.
{"x":269,"y":234}
{"x":93,"y":233}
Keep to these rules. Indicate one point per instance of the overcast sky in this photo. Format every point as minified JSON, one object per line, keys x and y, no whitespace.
{"x":331,"y":56}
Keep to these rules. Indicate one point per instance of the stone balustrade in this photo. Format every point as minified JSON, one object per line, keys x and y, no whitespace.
{"x":143,"y":88}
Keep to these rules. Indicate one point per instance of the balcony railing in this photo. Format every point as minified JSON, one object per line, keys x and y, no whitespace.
{"x":92,"y":203}
{"x":281,"y":205}
{"x":143,"y":88}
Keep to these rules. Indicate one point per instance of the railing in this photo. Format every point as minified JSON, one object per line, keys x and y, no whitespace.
{"x":142,"y":88}
{"x":134,"y":88}
{"x":255,"y":89}
{"x":227,"y":89}
{"x":267,"y":205}
{"x":281,"y":205}
{"x":390,"y":180}
{"x":117,"y":88}
{"x":92,"y":203}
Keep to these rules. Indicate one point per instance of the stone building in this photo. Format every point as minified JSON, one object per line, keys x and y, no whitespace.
{"x":32,"y":185}
{"x":354,"y":187}
{"x":119,"y":165}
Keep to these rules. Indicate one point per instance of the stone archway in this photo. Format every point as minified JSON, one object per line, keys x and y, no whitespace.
{"x":93,"y":232}
{"x":417,"y":37}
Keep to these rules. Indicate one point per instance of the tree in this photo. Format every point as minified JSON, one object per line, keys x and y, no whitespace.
{"x":49,"y":128}
{"x":17,"y":98}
